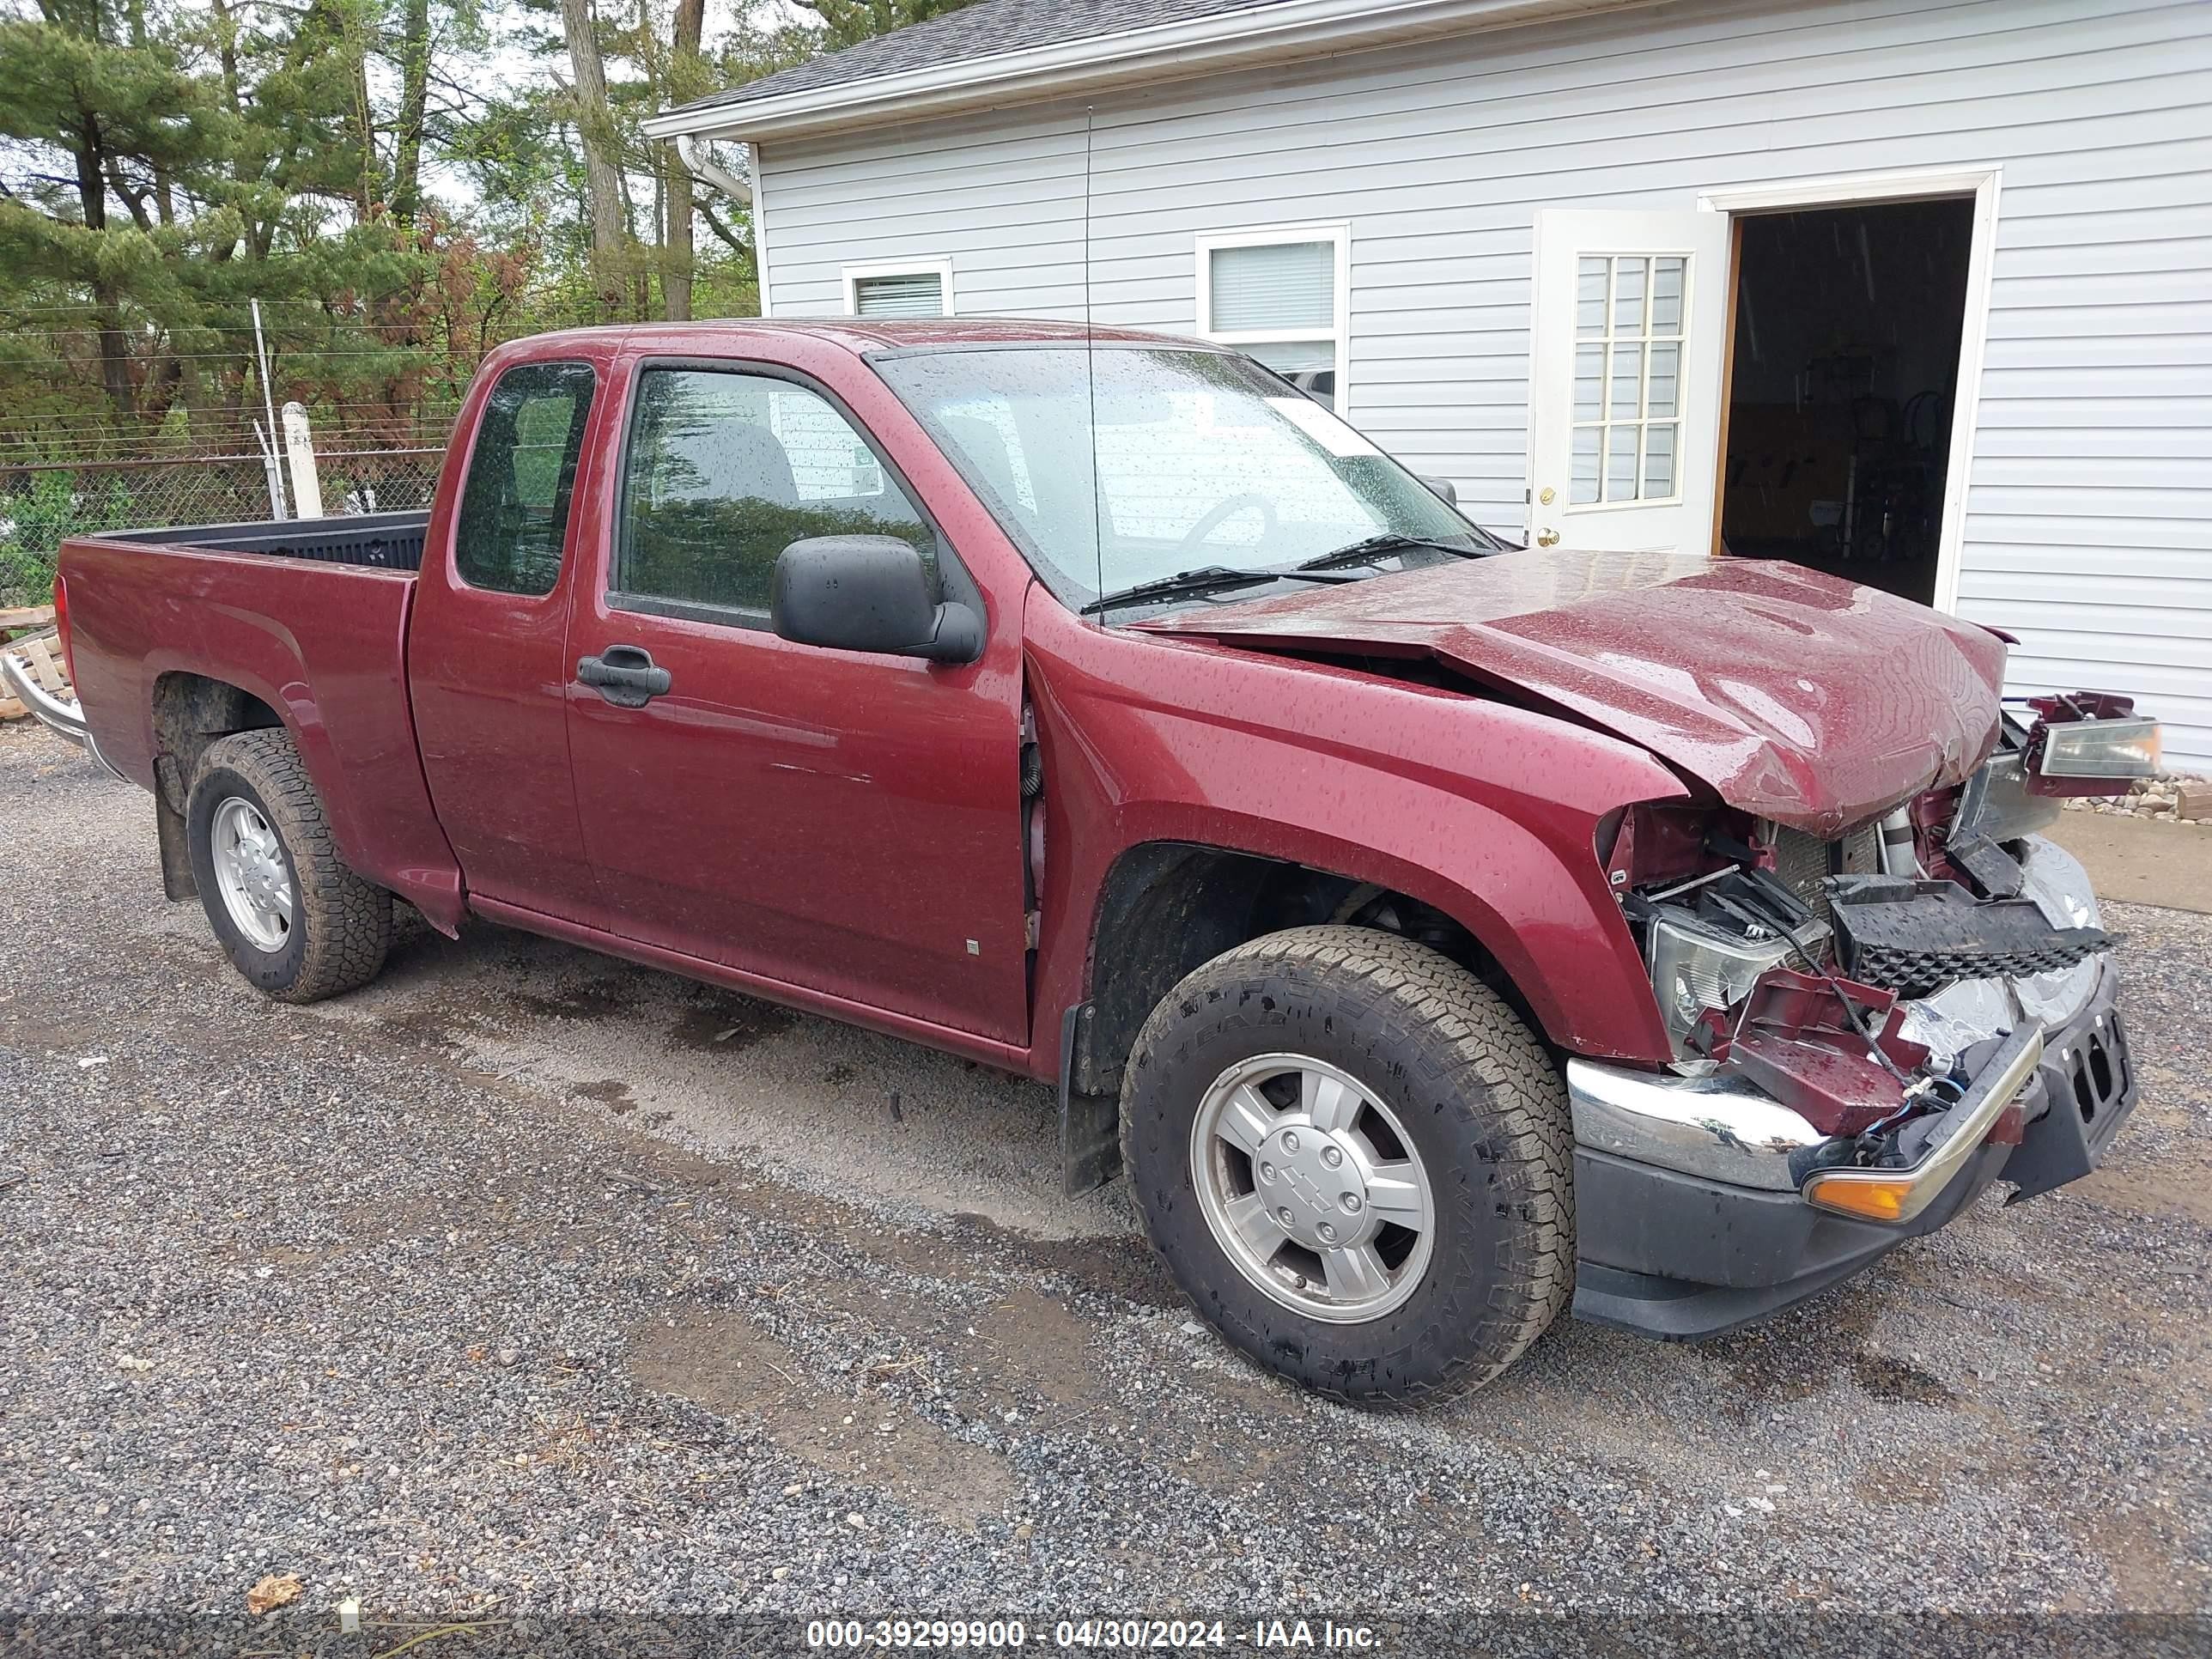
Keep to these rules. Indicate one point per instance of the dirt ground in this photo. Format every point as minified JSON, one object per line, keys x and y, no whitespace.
{"x":527,"y":1280}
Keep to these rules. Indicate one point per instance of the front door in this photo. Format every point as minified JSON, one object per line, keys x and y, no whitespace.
{"x":845,"y":821}
{"x":1626,"y":367}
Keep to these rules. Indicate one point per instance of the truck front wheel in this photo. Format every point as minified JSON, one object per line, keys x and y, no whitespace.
{"x":296,"y":920}
{"x":1356,"y":1160}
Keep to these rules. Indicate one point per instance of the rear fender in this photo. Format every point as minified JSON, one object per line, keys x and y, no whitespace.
{"x":334,"y":678}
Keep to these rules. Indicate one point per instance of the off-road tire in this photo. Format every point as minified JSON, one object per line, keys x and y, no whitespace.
{"x":341,"y":925}
{"x":1477,"y":1092}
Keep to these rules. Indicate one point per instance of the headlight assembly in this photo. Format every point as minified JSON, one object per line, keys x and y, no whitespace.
{"x":1698,"y":964}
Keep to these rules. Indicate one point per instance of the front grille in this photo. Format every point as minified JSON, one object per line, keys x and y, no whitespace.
{"x":1802,"y":862}
{"x":1919,"y":973}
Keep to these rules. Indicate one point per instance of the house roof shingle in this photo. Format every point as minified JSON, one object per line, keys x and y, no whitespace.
{"x":986,"y":29}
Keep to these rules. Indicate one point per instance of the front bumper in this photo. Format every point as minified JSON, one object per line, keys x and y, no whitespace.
{"x":1689,"y":1219}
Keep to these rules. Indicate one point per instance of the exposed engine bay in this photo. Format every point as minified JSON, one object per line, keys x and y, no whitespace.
{"x":1865,"y":982}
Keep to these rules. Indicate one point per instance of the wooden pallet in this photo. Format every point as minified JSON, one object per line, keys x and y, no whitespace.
{"x":43,"y":653}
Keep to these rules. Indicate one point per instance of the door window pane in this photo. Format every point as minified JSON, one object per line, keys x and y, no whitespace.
{"x":1589,"y":377}
{"x":1623,"y":403}
{"x":1590,"y":298}
{"x":1667,"y":294}
{"x":1659,"y":459}
{"x":1584,"y":489}
{"x":1627,"y":297}
{"x":514,"y":506}
{"x":1620,"y":463}
{"x":726,"y":471}
{"x":1627,"y":407}
{"x":1660,"y":400}
{"x":908,"y":293}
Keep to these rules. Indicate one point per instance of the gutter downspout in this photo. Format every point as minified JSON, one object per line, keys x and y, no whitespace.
{"x":705,"y":168}
{"x":691,"y":151}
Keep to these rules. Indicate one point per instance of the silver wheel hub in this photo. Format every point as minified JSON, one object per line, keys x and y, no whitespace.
{"x":1312,"y":1189}
{"x":1316,"y":1185}
{"x":251,"y":874}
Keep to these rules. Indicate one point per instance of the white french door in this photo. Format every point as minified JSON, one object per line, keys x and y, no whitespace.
{"x":1629,"y":334}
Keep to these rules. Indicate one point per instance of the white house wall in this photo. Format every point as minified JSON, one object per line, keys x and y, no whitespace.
{"x":2085,"y":531}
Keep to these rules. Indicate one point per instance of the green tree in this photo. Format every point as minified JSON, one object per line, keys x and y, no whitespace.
{"x":109,"y":118}
{"x":847,"y":22}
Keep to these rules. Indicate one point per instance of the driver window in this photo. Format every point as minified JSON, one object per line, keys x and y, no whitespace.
{"x":726,"y":469}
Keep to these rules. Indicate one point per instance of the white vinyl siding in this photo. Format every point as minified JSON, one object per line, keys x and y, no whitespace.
{"x":2085,"y":531}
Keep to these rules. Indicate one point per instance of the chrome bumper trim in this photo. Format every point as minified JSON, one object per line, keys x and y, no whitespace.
{"x":1964,"y":1127}
{"x":1721,"y":1127}
{"x":66,"y":717}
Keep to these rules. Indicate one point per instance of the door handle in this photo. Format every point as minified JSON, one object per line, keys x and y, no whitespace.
{"x":1548,"y":538}
{"x":625,"y":675}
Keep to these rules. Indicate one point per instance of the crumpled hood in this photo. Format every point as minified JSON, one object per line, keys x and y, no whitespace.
{"x":1798,"y":697}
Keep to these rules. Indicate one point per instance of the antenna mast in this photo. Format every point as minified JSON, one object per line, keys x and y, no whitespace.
{"x":1090,"y":367}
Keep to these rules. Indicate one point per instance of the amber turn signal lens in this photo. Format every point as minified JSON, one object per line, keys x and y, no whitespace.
{"x":1877,"y":1201}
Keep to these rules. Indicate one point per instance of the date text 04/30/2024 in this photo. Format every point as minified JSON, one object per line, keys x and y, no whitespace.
{"x":1127,"y":1635}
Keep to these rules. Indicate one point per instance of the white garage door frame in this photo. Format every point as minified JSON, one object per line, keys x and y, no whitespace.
{"x":1854,"y":189}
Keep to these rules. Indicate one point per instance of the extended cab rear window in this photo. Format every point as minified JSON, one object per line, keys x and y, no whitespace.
{"x":514,"y":506}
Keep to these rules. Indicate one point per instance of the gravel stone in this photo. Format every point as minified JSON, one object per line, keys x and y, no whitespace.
{"x":525,"y":1282}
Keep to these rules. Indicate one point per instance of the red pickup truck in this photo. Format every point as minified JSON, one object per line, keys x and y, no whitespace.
{"x":1436,"y":932}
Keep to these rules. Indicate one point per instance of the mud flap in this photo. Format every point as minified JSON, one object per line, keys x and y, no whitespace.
{"x":177,"y":880}
{"x":1090,"y":1124}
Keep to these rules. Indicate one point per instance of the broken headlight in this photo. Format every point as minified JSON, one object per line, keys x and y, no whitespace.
{"x":2088,"y":742}
{"x":2125,"y":749}
{"x":1707,"y":958}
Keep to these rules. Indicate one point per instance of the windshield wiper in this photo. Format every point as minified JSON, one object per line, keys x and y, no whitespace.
{"x":1382,"y":547}
{"x":1206,"y":578}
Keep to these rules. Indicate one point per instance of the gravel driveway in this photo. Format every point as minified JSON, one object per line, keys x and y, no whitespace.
{"x":527,"y":1280}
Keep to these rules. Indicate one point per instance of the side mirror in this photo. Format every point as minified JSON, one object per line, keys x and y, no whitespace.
{"x":1443,"y":489}
{"x":867,"y":593}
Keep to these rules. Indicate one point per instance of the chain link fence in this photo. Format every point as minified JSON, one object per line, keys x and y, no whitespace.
{"x":41,"y":505}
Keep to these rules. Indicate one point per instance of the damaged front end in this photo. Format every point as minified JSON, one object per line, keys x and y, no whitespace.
{"x":1868,"y":1031}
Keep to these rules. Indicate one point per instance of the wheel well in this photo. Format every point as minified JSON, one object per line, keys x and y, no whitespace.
{"x":1169,"y":906}
{"x":191,"y":711}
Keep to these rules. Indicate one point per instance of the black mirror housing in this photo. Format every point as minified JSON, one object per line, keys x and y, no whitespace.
{"x":867,"y":593}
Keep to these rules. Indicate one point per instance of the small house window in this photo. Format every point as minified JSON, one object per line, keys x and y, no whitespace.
{"x":1280,"y":294}
{"x":919,"y":288}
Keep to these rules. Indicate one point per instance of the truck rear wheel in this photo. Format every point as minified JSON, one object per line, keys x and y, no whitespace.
{"x":296,"y":920}
{"x":1356,"y":1160}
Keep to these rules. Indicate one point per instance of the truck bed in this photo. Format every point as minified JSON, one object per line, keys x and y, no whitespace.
{"x":379,"y":541}
{"x":309,"y":618}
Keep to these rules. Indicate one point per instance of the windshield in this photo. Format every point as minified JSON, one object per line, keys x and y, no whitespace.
{"x":1204,"y":461}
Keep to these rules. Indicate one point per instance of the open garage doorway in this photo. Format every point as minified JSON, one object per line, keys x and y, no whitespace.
{"x":1843,"y":386}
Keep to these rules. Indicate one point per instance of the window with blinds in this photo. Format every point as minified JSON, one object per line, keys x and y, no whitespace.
{"x":902,"y":293}
{"x":1276,"y":293}
{"x":1289,"y":285}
